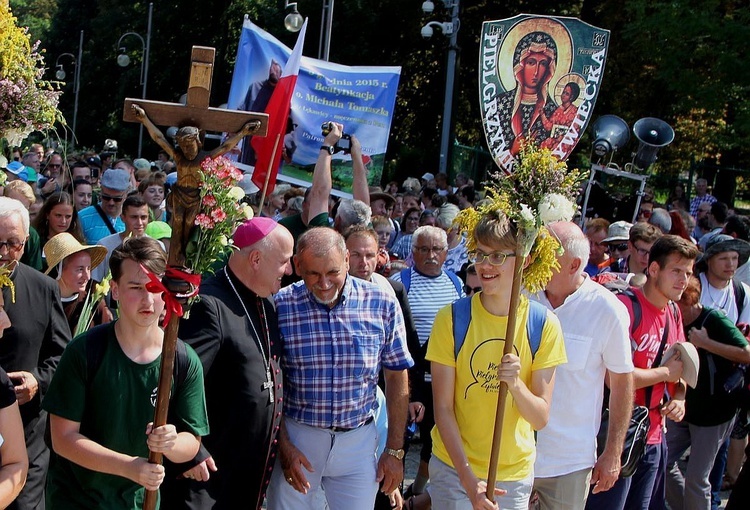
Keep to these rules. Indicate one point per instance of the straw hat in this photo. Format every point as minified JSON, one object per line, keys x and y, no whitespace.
{"x":64,"y":245}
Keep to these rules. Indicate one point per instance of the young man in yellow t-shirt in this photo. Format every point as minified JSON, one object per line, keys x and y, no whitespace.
{"x":465,"y":386}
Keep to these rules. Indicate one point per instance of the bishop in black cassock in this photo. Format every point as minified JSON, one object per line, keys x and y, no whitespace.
{"x":234,"y":330}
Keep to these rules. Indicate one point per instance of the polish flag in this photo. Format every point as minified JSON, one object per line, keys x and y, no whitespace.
{"x":268,"y":149}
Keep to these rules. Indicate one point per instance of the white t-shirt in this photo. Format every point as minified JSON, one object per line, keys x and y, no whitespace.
{"x":723,"y":299}
{"x":595,"y":328}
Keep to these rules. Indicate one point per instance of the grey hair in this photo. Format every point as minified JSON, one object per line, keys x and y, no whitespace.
{"x":577,"y":246}
{"x":429,"y":231}
{"x":660,"y":218}
{"x":353,"y":212}
{"x":11,"y":206}
{"x":319,"y":241}
{"x":446,"y":214}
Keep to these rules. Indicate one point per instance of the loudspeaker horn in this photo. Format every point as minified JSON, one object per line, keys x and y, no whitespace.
{"x":653,"y":134}
{"x":611,"y":133}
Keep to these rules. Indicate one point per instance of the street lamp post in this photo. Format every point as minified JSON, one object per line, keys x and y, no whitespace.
{"x":326,"y":23}
{"x":293,"y":22}
{"x":448,"y":29}
{"x":60,"y":75}
{"x":123,"y":60}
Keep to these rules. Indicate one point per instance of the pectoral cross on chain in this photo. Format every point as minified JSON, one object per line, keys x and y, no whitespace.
{"x":268,"y":385}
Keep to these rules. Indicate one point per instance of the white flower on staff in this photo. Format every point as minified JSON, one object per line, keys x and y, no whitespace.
{"x":555,"y":207}
{"x":528,"y":218}
{"x":236,"y":193}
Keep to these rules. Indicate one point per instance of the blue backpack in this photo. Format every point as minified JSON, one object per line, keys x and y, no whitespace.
{"x":461,"y":313}
{"x":406,"y":280}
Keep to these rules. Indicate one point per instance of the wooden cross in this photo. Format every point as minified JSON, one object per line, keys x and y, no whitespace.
{"x":185,"y":195}
{"x":196,"y":111}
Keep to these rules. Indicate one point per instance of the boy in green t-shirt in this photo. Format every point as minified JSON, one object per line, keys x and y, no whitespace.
{"x":100,"y":428}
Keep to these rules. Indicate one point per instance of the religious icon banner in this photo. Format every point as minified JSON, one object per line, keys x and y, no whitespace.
{"x":362,"y":98}
{"x":539,"y":79}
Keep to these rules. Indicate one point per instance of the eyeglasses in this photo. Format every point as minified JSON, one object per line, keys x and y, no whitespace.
{"x":424,"y":250}
{"x":12,"y":245}
{"x":107,"y":198}
{"x":618,"y":247}
{"x":641,"y":251}
{"x":53,"y":165}
{"x":496,"y":258}
{"x":471,"y":290}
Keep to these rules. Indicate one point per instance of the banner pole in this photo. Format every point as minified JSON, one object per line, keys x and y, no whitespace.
{"x":268,"y":173}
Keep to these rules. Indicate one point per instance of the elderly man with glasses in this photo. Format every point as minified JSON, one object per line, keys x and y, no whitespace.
{"x":103,"y":219}
{"x":31,"y":349}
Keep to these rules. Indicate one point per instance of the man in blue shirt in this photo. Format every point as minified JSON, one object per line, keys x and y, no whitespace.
{"x":103,"y":219}
{"x":338,"y":332}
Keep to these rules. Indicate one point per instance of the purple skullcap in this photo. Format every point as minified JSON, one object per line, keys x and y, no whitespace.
{"x":252,"y":231}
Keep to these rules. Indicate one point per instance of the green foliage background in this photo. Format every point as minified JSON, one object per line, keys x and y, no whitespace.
{"x":678,"y":60}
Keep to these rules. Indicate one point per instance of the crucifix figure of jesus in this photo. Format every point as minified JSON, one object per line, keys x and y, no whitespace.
{"x":192,"y":118}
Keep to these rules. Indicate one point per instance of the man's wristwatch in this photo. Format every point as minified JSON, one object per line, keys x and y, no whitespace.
{"x":399,"y":454}
{"x":328,"y":149}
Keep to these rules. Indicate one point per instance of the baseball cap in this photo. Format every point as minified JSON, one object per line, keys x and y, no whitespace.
{"x":116,"y":179}
{"x":428,"y":176}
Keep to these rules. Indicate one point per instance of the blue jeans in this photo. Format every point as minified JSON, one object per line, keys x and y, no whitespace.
{"x":716,"y":477}
{"x":642,"y":491}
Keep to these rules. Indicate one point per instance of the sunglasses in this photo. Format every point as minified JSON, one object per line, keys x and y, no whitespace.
{"x":618,"y":247}
{"x":53,"y":165}
{"x":471,"y":290}
{"x":107,"y":198}
{"x":645,"y":213}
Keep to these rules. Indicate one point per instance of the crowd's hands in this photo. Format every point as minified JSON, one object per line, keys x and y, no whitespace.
{"x":145,"y":473}
{"x":25,"y":385}
{"x":674,"y":368}
{"x":396,"y":499}
{"x":698,"y":337}
{"x":390,"y":473}
{"x":416,"y":411}
{"x":49,"y":187}
{"x":509,"y":370}
{"x":476,"y":489}
{"x":201,"y":472}
{"x":606,"y":472}
{"x":334,"y":135}
{"x":292,"y":462}
{"x":674,"y":409}
{"x":161,"y":439}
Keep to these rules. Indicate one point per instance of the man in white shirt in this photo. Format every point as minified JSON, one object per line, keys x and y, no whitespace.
{"x":567,"y":462}
{"x":717,"y":267}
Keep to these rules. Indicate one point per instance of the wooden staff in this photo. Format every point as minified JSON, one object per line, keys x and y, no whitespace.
{"x":510,"y":337}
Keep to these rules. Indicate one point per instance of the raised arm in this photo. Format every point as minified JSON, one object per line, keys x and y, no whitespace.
{"x":322,"y":183}
{"x":154,"y":132}
{"x":249,"y":128}
{"x":360,"y":186}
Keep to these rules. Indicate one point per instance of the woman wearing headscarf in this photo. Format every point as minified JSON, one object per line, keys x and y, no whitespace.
{"x":70,"y":263}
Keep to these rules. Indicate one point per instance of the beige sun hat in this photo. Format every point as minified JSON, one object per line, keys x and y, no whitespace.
{"x":64,"y":245}
{"x":690,"y":361}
